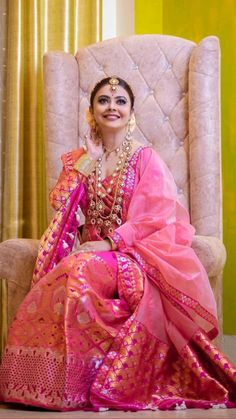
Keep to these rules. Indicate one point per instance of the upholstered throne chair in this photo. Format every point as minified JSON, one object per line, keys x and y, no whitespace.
{"x":177,"y":108}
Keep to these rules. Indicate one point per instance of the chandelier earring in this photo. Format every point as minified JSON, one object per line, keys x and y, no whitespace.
{"x":95,"y":134}
{"x":130,"y":127}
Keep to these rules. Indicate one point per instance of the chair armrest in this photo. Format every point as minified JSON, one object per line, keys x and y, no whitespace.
{"x":211,"y":252}
{"x":17,"y":257}
{"x":17,"y":260}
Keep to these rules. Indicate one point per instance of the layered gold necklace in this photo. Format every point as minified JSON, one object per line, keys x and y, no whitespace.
{"x":96,"y":211}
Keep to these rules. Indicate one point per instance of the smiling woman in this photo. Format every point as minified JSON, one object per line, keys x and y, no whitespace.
{"x":111,"y":106}
{"x":111,"y":116}
{"x":121,"y":313}
{"x":112,"y":103}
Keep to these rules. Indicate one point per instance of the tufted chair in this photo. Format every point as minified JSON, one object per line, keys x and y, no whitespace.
{"x":177,"y":108}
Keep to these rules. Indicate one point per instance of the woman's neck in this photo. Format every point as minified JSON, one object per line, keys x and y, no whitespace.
{"x":112,"y":140}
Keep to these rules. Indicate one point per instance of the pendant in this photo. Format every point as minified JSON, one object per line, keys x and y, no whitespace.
{"x":100,"y":206}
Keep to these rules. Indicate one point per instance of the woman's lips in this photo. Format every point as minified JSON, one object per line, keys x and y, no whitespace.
{"x":111,"y":117}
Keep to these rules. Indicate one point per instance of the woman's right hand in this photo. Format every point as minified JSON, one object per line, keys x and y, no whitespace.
{"x":94,"y":151}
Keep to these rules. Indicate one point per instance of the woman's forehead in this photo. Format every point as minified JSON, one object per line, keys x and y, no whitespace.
{"x":106,"y":90}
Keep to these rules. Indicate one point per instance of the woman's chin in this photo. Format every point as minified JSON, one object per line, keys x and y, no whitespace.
{"x":112,"y":127}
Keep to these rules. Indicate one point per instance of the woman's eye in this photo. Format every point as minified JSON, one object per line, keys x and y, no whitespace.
{"x":102,"y":100}
{"x":121,"y":101}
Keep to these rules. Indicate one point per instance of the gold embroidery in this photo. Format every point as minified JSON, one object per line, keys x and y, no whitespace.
{"x":85,"y":164}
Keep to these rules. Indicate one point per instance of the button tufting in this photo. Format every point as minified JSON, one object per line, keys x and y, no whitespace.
{"x":166,"y":118}
{"x":169,"y":66}
{"x":151,"y":92}
{"x":135,"y":67}
{"x":180,"y":190}
{"x":101,"y":67}
{"x":181,"y":142}
{"x":184,"y":93}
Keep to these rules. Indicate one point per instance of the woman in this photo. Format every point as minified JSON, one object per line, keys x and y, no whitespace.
{"x":121,"y":313}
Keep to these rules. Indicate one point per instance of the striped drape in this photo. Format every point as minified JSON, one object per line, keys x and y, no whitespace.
{"x":34,"y":27}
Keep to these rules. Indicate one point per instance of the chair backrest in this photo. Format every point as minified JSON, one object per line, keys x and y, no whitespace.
{"x":177,"y":97}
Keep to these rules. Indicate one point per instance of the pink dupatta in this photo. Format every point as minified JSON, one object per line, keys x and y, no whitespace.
{"x":157,"y":233}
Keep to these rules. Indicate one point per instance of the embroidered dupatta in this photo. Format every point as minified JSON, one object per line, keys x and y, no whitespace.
{"x":158,"y":234}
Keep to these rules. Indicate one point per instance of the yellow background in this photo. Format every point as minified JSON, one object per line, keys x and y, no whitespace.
{"x":195,"y":20}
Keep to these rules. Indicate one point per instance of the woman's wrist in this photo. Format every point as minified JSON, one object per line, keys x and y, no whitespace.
{"x":85,"y":164}
{"x":112,"y":243}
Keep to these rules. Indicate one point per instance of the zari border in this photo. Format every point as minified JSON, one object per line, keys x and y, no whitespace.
{"x":118,"y":240}
{"x":175,"y":295}
{"x":3,"y":314}
{"x":130,"y":181}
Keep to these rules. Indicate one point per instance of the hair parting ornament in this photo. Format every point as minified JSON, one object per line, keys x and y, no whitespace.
{"x":113,"y":82}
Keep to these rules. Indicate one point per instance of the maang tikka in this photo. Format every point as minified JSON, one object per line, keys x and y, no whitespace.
{"x":113,"y":82}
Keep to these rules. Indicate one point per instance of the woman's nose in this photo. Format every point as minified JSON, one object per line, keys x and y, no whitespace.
{"x":112,"y":106}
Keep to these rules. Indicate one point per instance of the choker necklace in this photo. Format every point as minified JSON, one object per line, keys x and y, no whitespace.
{"x":107,"y":152}
{"x":97,"y":207}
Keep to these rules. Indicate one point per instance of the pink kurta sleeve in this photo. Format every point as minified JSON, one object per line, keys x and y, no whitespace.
{"x":154,"y":206}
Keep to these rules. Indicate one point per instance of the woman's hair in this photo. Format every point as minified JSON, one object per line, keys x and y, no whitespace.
{"x":105,"y":81}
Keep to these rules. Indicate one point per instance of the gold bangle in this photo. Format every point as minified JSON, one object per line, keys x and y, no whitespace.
{"x":85,"y":164}
{"x":113,"y":244}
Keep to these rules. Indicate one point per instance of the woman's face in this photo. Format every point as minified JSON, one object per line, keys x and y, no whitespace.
{"x":111,"y":109}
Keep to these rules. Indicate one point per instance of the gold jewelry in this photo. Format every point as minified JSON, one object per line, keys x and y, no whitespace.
{"x":96,"y":211}
{"x":85,"y":164}
{"x":108,"y":152}
{"x":130,"y":127}
{"x":113,"y":82}
{"x":113,"y":244}
{"x":95,"y":134}
{"x":132,"y":123}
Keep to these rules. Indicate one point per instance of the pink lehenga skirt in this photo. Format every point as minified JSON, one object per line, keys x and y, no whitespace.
{"x":84,"y":338}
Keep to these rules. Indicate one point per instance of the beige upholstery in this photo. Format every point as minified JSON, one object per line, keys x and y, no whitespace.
{"x":176,"y":87}
{"x":16,"y":266}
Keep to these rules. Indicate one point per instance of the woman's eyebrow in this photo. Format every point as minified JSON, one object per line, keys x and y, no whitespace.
{"x":108,"y":97}
{"x":120,"y":97}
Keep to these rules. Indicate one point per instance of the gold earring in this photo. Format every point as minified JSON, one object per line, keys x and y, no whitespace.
{"x":95,"y":134}
{"x":130,"y":127}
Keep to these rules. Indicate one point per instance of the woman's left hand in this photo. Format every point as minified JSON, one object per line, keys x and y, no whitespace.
{"x":94,"y":246}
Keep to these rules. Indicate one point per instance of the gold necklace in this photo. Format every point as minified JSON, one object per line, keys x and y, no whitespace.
{"x":107,"y":152}
{"x":97,"y":206}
